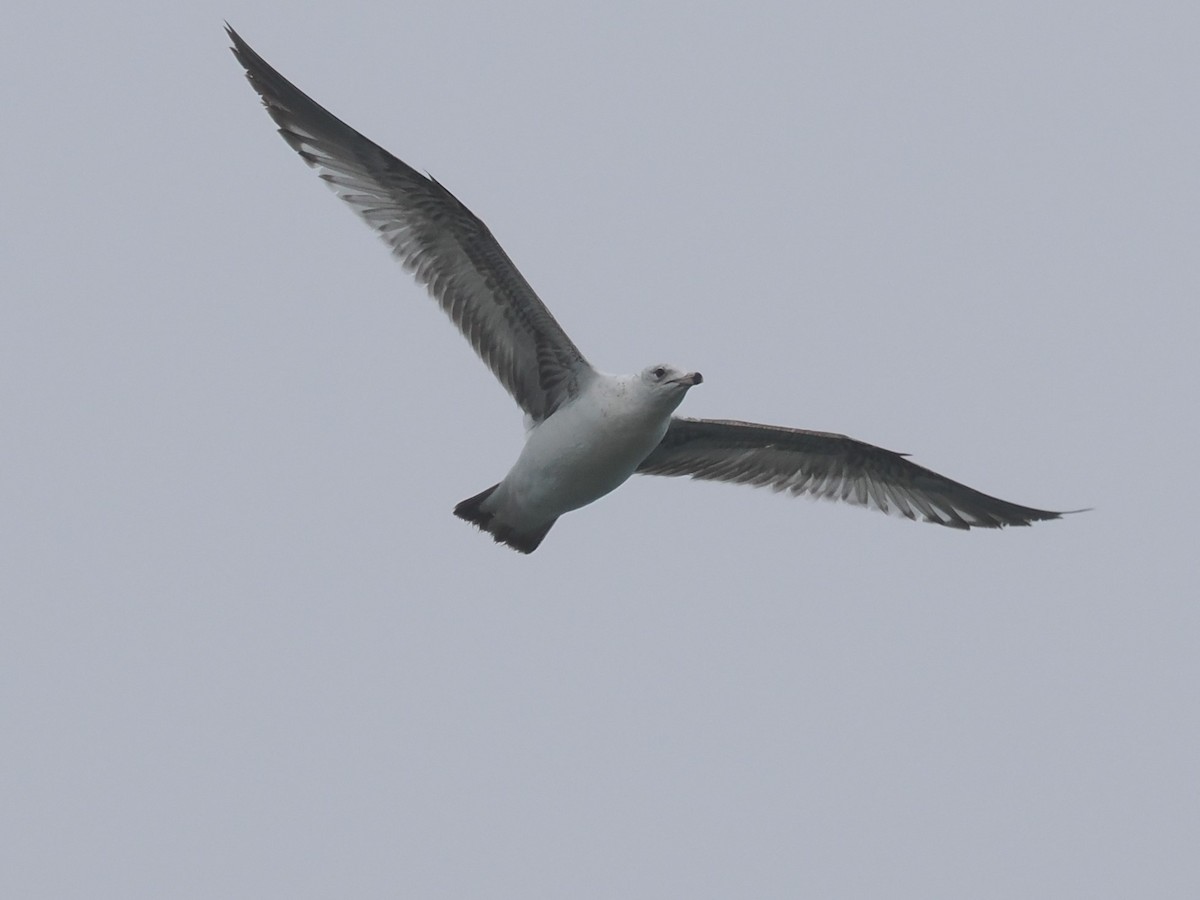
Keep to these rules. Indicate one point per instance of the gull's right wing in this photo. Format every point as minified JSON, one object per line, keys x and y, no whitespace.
{"x":831,"y":466}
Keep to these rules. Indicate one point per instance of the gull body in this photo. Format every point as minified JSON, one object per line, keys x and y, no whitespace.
{"x":589,"y":447}
{"x":587,"y":432}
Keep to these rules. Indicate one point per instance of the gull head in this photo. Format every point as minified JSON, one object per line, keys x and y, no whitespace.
{"x":667,"y":384}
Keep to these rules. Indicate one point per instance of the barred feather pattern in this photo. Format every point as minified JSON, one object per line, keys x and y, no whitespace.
{"x":828,"y":466}
{"x":446,"y":247}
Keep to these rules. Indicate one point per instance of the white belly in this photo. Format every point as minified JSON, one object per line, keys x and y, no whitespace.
{"x":578,"y":455}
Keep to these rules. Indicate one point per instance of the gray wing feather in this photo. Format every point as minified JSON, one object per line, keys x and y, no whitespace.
{"x":831,"y":466}
{"x":438,"y":239}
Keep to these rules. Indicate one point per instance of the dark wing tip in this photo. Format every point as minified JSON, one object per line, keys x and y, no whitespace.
{"x":239,"y":46}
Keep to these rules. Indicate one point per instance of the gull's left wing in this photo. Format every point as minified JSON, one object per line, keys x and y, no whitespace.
{"x":438,"y":239}
{"x":831,"y":466}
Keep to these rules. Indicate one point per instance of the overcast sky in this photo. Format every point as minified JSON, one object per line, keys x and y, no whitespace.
{"x":247,"y":651}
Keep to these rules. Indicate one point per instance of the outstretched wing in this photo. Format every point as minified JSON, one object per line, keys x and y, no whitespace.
{"x":438,"y":239}
{"x":831,"y":466}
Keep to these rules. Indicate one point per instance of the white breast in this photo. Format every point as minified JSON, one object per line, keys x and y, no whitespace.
{"x":586,"y":449}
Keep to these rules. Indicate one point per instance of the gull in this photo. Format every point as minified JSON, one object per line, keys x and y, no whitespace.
{"x":587,"y":432}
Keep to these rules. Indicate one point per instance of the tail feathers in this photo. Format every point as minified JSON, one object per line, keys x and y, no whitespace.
{"x":522,"y":541}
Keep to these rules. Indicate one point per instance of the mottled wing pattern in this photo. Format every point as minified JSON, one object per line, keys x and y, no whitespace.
{"x":438,"y":239}
{"x":831,"y":466}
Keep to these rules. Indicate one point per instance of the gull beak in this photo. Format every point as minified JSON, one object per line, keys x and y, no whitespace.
{"x":691,"y":379}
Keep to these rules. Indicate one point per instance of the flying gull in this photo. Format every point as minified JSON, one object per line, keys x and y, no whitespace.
{"x":587,"y":431}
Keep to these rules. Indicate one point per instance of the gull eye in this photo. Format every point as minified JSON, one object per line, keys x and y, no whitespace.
{"x":659,"y":372}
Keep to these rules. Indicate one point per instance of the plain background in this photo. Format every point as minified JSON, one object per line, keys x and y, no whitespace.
{"x":247,"y":651}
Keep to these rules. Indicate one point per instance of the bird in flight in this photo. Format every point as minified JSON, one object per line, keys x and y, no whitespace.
{"x":587,"y":431}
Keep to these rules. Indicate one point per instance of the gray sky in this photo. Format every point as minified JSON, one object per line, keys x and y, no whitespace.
{"x":247,"y":651}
